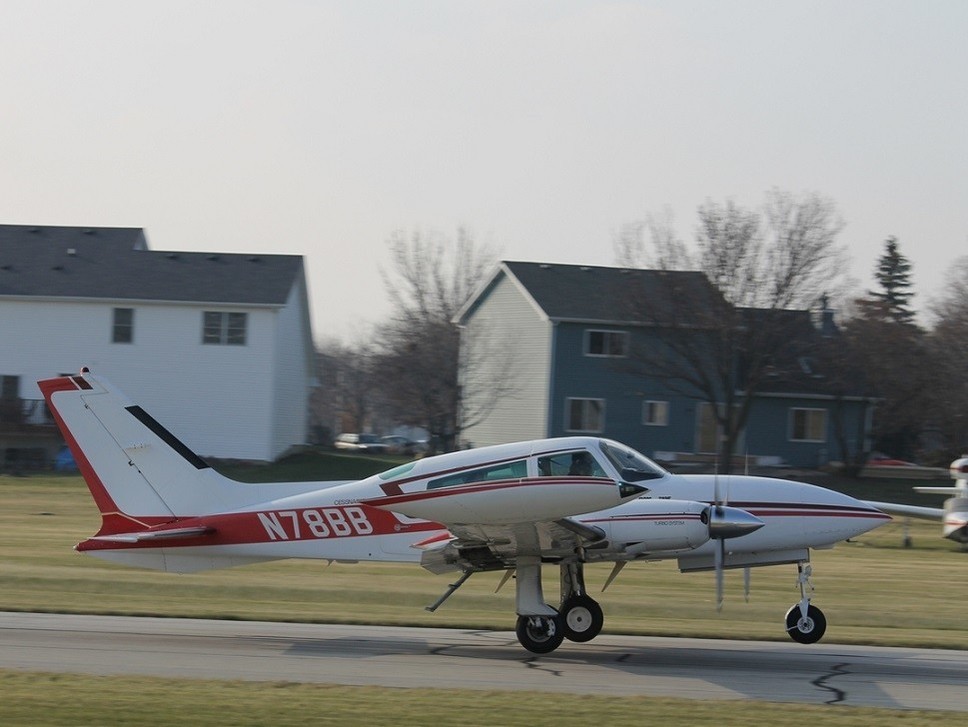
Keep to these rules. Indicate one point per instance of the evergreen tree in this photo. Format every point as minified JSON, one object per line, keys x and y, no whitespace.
{"x":893,"y":273}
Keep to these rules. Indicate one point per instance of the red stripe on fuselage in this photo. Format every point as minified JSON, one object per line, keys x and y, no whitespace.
{"x":478,"y":487}
{"x":266,"y":526}
{"x":814,"y":513}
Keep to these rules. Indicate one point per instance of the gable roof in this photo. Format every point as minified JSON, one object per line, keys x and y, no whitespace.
{"x":114,"y":263}
{"x":599,"y":294}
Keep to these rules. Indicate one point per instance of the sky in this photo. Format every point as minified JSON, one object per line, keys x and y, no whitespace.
{"x":322,"y":128}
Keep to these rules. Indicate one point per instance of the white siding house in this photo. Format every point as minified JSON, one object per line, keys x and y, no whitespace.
{"x":217,"y":347}
{"x":505,"y":316}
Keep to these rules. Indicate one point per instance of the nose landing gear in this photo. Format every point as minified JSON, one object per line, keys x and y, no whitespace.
{"x":540,"y":628}
{"x":805,"y":623}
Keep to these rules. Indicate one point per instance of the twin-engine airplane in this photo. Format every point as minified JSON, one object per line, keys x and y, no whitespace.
{"x":954,"y":514}
{"x":510,"y":507}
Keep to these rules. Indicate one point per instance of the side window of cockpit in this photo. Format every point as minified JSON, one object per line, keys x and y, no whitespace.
{"x":575,"y":464}
{"x":505,"y":471}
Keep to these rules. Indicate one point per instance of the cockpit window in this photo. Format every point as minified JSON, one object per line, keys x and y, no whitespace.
{"x":580,"y":463}
{"x":504,"y":471}
{"x":398,"y":471}
{"x":632,"y":466}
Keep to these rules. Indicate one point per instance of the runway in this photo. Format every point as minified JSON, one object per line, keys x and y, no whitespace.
{"x":453,"y":658}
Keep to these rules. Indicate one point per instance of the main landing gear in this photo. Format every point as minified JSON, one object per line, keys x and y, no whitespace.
{"x":540,"y":628}
{"x":805,"y":623}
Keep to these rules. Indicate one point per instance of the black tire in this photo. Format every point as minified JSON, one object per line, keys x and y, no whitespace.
{"x":581,"y":618}
{"x":809,"y":630}
{"x":540,"y":634}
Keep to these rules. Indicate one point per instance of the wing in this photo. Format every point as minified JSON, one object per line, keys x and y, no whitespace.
{"x":893,"y":508}
{"x":497,"y":547}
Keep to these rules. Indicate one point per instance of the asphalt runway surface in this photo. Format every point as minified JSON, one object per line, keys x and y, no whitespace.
{"x":492,"y":660}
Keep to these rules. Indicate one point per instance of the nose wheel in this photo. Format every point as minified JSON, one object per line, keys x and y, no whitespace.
{"x":806,"y":629}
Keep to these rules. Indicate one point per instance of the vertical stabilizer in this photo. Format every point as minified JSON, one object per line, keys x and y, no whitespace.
{"x":138,"y":471}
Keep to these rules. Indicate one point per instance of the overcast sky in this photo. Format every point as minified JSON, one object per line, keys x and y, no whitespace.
{"x":319,"y":128}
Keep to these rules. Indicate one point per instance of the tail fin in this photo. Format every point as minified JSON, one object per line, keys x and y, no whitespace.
{"x":139,"y":473}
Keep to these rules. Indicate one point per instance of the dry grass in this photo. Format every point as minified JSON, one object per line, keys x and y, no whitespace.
{"x":62,"y":700}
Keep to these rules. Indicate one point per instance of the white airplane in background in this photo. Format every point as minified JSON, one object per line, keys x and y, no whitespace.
{"x":567,"y":501}
{"x":954,"y":514}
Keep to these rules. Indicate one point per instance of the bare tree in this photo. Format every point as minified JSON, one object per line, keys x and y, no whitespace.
{"x":892,"y":356}
{"x":349,"y":396}
{"x":718,"y":344}
{"x":949,"y":355}
{"x":430,"y":279}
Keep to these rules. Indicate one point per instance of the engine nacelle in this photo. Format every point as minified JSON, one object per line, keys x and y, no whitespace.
{"x":649,"y":526}
{"x":503,"y":502}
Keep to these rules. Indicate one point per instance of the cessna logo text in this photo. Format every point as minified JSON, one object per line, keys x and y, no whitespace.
{"x":324,"y":522}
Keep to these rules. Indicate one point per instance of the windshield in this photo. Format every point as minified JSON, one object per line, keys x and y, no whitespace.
{"x":632,"y":466}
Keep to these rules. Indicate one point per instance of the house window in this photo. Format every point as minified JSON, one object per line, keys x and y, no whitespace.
{"x":585,"y":415}
{"x":613,"y":344}
{"x":11,"y":410}
{"x":808,"y":425}
{"x":122,"y":327}
{"x":655,"y":413}
{"x":9,"y":387}
{"x":219,"y":327}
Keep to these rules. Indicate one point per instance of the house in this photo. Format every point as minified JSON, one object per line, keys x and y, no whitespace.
{"x":573,"y":333}
{"x":218,"y":347}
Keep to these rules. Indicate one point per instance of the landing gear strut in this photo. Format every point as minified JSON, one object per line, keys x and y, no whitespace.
{"x":540,"y":628}
{"x":805,"y":623}
{"x":581,"y":616}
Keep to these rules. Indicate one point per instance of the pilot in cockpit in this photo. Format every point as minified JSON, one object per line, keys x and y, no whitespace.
{"x":574,"y":464}
{"x":581,"y":464}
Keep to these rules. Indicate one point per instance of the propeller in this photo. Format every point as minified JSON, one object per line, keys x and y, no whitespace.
{"x":727,"y":522}
{"x":719,"y":558}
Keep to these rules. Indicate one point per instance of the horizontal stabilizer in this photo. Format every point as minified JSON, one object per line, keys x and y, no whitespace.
{"x":895,"y":508}
{"x":148,"y":535}
{"x":940,"y":490}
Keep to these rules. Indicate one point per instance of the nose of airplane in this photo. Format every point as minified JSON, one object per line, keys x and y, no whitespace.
{"x":833,"y":516}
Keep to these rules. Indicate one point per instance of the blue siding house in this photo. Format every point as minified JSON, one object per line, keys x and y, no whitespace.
{"x":565,"y":340}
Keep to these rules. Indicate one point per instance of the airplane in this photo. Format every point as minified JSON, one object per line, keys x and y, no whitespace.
{"x":953,"y":515}
{"x":566,"y":501}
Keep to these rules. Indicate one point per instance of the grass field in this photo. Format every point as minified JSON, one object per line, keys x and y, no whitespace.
{"x":67,"y":700}
{"x":873,"y":591}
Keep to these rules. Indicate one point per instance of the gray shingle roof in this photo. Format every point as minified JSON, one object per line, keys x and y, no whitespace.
{"x":115,"y":263}
{"x":590,"y":293}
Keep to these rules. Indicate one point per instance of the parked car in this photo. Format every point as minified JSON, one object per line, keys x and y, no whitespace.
{"x":352,"y":442}
{"x":398,"y":444}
